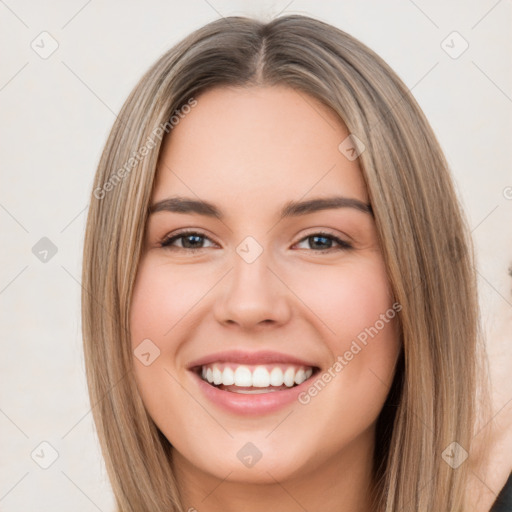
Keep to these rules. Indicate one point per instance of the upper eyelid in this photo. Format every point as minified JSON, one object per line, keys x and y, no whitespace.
{"x":184,"y":233}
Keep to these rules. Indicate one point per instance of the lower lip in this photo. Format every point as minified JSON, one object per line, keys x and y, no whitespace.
{"x":257,"y":404}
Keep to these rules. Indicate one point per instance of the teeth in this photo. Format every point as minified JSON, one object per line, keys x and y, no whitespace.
{"x":289,"y":377}
{"x":259,"y":377}
{"x":228,"y":376}
{"x":217,"y":376}
{"x":243,"y":376}
{"x":300,"y":376}
{"x":276,"y":377}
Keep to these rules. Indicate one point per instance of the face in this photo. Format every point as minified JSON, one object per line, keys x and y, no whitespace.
{"x":290,"y":317}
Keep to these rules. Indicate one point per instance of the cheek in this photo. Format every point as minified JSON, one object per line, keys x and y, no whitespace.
{"x":346,"y":299}
{"x":358,"y":317}
{"x":157,"y":306}
{"x":163,"y":306}
{"x":162,"y":300}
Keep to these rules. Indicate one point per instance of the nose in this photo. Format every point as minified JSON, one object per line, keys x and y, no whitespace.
{"x":252,"y":295}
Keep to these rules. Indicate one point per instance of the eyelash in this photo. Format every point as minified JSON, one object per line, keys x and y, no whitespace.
{"x":168,"y":240}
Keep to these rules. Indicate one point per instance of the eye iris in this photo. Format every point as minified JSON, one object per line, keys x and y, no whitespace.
{"x":197,"y":238}
{"x":316,"y":237}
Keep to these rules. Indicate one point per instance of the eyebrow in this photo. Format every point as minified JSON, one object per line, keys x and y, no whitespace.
{"x":179,"y":204}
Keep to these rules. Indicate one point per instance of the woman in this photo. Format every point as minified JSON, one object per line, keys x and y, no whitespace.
{"x":279,"y":303}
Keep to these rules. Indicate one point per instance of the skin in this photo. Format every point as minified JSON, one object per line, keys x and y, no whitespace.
{"x":249,"y":151}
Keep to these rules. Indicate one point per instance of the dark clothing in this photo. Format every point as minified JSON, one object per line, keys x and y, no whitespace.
{"x":503,"y":502}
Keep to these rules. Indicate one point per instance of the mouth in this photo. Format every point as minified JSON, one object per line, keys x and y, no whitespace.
{"x":252,"y":383}
{"x":254,"y":379}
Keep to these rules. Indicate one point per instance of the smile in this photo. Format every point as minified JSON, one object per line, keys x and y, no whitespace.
{"x":252,"y":383}
{"x":250,"y":379}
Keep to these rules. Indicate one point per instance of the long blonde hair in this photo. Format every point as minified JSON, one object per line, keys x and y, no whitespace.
{"x":424,"y":239}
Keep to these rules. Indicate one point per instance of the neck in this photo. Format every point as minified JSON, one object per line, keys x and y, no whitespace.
{"x":341,"y":483}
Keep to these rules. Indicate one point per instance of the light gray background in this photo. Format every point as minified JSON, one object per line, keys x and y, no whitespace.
{"x":55,"y":116}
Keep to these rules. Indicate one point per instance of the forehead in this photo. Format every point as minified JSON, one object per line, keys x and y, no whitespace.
{"x":257,"y":146}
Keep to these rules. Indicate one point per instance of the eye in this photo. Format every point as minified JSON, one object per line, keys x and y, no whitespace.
{"x":190,"y":241}
{"x":321,"y":240}
{"x":193,"y":241}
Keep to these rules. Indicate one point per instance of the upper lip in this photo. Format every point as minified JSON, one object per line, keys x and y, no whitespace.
{"x":249,"y":358}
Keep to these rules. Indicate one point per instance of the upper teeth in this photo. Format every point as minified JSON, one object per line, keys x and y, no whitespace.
{"x":257,"y":376}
